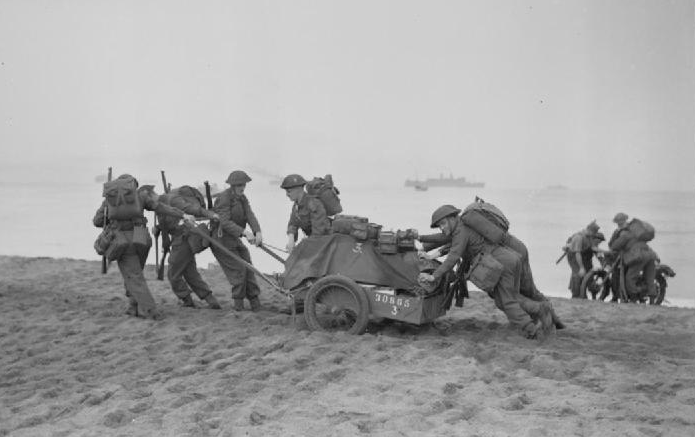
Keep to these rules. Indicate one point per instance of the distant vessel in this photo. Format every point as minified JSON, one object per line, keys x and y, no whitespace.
{"x":451,"y":181}
{"x":556,"y":187}
{"x":419,"y":186}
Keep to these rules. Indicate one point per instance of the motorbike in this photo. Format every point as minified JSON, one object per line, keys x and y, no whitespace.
{"x":605,"y":280}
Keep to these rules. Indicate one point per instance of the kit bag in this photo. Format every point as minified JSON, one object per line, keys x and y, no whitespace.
{"x":485,"y":272}
{"x":486,"y":219}
{"x":642,"y":230}
{"x":324,"y":190}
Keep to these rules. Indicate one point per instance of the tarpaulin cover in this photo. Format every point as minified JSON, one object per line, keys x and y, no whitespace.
{"x":318,"y":256}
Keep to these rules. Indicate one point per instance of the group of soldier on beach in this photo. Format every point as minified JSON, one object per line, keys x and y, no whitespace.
{"x":496,"y":261}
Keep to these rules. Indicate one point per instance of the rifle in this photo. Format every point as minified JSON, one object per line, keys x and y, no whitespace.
{"x":104,"y":262}
{"x":561,"y":258}
{"x":165,"y":236}
{"x":208,"y":194}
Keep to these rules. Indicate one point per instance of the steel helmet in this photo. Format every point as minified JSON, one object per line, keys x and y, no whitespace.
{"x":293,"y":180}
{"x":238,"y":177}
{"x":441,"y":212}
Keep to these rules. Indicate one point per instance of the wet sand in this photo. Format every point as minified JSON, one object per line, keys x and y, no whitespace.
{"x":74,"y":365}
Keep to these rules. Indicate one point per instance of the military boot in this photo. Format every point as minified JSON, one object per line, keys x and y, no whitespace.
{"x":188,"y":302}
{"x":212,"y":302}
{"x":556,"y":319}
{"x":255,"y":304}
{"x":238,"y":304}
{"x":132,"y":309}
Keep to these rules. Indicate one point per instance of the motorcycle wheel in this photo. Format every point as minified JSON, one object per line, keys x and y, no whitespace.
{"x":660,"y":290}
{"x":595,"y":283}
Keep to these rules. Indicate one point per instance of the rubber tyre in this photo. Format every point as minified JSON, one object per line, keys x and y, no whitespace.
{"x":347,"y":302}
{"x":661,"y":287}
{"x":589,"y":280}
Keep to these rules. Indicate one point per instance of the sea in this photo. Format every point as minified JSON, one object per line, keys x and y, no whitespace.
{"x":55,"y":220}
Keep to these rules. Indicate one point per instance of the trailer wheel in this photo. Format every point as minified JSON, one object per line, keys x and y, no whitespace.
{"x":336,"y":303}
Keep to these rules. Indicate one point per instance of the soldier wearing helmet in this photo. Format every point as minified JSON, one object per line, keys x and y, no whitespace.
{"x":308,"y":213}
{"x":121,"y":214}
{"x":471,"y":247}
{"x":527,"y":287}
{"x":581,"y":248}
{"x":236,"y":220}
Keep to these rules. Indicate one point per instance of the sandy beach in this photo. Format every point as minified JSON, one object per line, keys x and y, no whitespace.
{"x":74,"y":365}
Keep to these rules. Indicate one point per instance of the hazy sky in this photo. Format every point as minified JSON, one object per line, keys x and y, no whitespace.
{"x":583,"y":93}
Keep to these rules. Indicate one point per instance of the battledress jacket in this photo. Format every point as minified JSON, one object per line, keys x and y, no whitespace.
{"x":309,"y":215}
{"x":235,"y":213}
{"x":465,"y":243}
{"x":632,"y":250}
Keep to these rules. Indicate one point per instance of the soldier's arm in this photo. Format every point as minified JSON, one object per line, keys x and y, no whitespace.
{"x":223,"y":208}
{"x":320,"y":225}
{"x":433,"y":241}
{"x":620,"y":241}
{"x":98,"y":219}
{"x":459,"y":242}
{"x":251,"y":217}
{"x":293,"y":224}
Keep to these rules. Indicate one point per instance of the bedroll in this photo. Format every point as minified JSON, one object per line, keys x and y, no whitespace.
{"x":486,"y":219}
{"x":642,"y":230}
{"x":357,"y":227}
{"x":326,"y":192}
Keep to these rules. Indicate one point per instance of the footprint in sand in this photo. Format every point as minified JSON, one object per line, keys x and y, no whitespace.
{"x":116,"y":418}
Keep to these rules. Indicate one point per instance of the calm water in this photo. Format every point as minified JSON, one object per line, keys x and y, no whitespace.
{"x":55,"y":221}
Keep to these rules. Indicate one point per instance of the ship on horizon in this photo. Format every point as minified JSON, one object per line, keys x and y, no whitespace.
{"x":442,"y":181}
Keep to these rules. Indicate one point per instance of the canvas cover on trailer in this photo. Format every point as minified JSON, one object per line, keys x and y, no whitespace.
{"x":361,"y":261}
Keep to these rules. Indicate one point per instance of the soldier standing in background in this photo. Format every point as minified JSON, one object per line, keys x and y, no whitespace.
{"x":235,"y":214}
{"x":630,"y":240}
{"x":308,"y":213}
{"x":126,"y":239}
{"x":581,"y":248}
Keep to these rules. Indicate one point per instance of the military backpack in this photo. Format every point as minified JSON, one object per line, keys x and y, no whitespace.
{"x":122,"y":199}
{"x":486,"y":219}
{"x":324,"y":190}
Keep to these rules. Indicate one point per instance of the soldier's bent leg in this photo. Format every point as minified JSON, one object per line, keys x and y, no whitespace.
{"x":252,"y":290}
{"x":632,"y":275}
{"x":135,"y":283}
{"x":195,"y":281}
{"x":507,"y":300}
{"x":179,"y":259}
{"x":235,"y":273}
{"x":575,"y":279}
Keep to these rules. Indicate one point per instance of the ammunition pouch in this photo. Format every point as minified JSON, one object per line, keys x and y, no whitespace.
{"x":387,"y":242}
{"x":485,"y":272}
{"x":141,"y":238}
{"x":118,"y":246}
{"x":103,"y":241}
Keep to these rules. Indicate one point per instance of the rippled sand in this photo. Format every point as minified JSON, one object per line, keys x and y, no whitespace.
{"x":73,"y":364}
